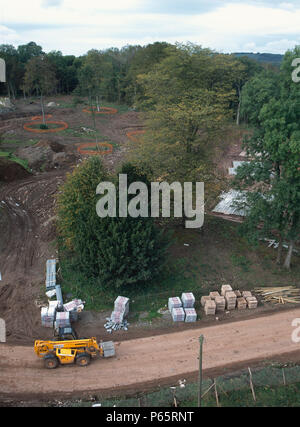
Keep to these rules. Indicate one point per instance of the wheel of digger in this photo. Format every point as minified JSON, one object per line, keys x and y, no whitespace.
{"x":51,"y":361}
{"x":83,"y":360}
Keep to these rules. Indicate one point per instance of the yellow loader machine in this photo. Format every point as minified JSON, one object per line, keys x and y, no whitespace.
{"x":72,"y":351}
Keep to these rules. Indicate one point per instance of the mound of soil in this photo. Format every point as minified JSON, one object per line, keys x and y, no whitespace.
{"x":46,"y":155}
{"x":11,"y":171}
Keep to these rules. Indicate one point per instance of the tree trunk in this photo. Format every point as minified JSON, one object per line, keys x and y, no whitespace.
{"x":279,"y":251}
{"x":43,"y":112}
{"x":239,"y":109}
{"x":287,"y":262}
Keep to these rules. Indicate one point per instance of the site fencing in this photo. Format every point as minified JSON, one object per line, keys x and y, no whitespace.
{"x":247,"y":379}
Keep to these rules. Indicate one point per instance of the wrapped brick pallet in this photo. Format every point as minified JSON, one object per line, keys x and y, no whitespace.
{"x":224,"y":289}
{"x":190,"y":315}
{"x":174,"y":302}
{"x":62,"y":320}
{"x":204,"y":299}
{"x":178,"y":314}
{"x":188,"y":300}
{"x":241,"y":303}
{"x":251,"y":302}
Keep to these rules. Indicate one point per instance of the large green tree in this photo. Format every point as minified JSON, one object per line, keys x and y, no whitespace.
{"x":115,"y":252}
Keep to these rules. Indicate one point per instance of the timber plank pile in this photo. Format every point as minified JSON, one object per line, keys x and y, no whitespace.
{"x":279,"y":295}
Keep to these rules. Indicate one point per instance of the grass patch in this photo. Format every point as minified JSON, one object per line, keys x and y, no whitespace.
{"x":9,"y":155}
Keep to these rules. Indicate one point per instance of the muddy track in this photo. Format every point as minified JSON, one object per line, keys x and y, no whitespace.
{"x":148,"y":362}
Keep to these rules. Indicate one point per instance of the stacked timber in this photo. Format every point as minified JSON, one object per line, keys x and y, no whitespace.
{"x":190,"y":315}
{"x":188,"y":300}
{"x":230,"y":298}
{"x":279,"y":295}
{"x":210,"y":307}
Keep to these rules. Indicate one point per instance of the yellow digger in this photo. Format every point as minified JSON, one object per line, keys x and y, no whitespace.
{"x":72,"y":351}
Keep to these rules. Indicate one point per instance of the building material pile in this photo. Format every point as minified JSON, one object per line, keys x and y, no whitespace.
{"x":74,"y":307}
{"x":178,"y":314}
{"x":117,"y":319}
{"x":108,"y":348}
{"x":204,"y":299}
{"x":251,"y":302}
{"x":50,"y":274}
{"x":188,"y":300}
{"x":48,"y":316}
{"x":214,"y":295}
{"x":241,"y":303}
{"x":174,"y":302}
{"x":210,"y":307}
{"x":246,"y":294}
{"x":224,"y":289}
{"x":230,"y":298}
{"x":190,"y":315}
{"x":220,"y":303}
{"x":62,"y":320}
{"x":279,"y":295}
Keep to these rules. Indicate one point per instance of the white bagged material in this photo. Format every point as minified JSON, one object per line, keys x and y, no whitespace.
{"x":190,"y":315}
{"x":188,"y":300}
{"x":178,"y":314}
{"x":174,"y":302}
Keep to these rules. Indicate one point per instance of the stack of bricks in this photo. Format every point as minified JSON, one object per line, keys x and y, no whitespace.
{"x":230,"y":298}
{"x":241,"y":303}
{"x":246,"y":294}
{"x":204,"y":299}
{"x":251,"y":302}
{"x":220,"y":303}
{"x":224,"y":289}
{"x":210,"y":307}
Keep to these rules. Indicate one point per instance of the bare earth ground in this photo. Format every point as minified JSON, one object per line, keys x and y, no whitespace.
{"x":152,"y":360}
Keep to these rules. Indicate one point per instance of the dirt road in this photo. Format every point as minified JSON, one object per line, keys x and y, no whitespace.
{"x":152,"y":360}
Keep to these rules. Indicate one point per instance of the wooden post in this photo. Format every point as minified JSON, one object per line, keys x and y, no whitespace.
{"x":201,"y":339}
{"x":216,"y":393}
{"x":251,"y":385}
{"x":283,"y":375}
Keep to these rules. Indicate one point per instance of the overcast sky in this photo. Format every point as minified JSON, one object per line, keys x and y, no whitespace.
{"x":75,"y":26}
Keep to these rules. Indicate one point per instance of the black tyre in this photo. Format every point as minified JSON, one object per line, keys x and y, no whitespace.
{"x":51,"y":361}
{"x":83,"y":359}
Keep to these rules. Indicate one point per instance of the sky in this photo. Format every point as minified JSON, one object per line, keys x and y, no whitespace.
{"x":75,"y":26}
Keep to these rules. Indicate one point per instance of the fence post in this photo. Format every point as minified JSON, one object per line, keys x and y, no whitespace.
{"x":201,"y":339}
{"x":251,"y":385}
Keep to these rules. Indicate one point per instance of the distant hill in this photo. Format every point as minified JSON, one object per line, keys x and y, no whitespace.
{"x":271,"y":58}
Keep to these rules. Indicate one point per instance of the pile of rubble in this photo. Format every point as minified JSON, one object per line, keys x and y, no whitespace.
{"x":228,"y":300}
{"x":117,"y":320}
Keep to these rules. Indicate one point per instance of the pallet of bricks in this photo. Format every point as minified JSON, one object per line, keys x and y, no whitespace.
{"x":228,"y":299}
{"x":118,"y":317}
{"x":182,"y":309}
